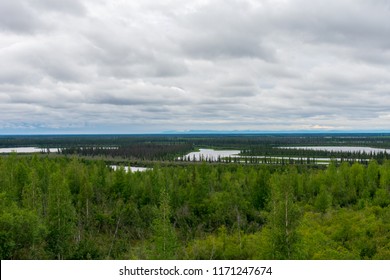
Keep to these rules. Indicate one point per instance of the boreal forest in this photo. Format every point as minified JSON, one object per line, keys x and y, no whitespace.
{"x":73,"y":205}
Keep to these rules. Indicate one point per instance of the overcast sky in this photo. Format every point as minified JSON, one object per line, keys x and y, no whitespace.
{"x":146,"y":66}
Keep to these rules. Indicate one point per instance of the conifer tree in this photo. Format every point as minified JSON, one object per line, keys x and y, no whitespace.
{"x":61,"y":217}
{"x":164,"y":236}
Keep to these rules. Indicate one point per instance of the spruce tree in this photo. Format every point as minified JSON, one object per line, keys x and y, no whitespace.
{"x":164,"y":236}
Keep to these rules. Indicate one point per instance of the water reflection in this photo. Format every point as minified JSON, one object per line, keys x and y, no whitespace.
{"x":210,"y":155}
{"x":27,"y":150}
{"x":130,"y":168}
{"x":367,"y":150}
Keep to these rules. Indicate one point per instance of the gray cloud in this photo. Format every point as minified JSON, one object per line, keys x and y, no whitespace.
{"x":142,"y":66}
{"x":17,"y":16}
{"x":74,"y":7}
{"x":225,"y":29}
{"x":29,"y":17}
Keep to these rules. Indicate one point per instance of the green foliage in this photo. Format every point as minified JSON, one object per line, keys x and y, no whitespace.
{"x":283,"y":218}
{"x":346,"y":234}
{"x":323,"y":200}
{"x":21,"y":232}
{"x":164,"y":238}
{"x":382,"y":198}
{"x":60,"y":218}
{"x":224,"y":246}
{"x":68,"y":208}
{"x":32,"y":194}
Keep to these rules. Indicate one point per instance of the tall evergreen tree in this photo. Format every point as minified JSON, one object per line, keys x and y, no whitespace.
{"x":61,"y":217}
{"x":164,"y":236}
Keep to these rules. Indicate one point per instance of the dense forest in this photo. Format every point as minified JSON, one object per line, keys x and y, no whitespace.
{"x":170,"y":147}
{"x":229,"y":141}
{"x":136,"y":151}
{"x":72,"y":208}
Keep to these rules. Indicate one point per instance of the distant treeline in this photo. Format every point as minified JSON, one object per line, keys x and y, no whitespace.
{"x":169,"y":147}
{"x":240,"y":141}
{"x":149,"y":151}
{"x":65,"y":141}
{"x":307,"y":153}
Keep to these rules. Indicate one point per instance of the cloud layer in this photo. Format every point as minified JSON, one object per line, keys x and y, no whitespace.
{"x":149,"y":66}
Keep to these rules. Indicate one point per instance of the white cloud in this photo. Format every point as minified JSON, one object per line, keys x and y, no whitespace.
{"x":131,"y":66}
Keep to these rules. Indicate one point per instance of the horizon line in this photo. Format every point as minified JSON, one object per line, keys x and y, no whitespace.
{"x":206,"y":132}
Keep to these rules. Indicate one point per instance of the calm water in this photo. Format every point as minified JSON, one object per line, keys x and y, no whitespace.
{"x":26,"y":150}
{"x":210,"y":154}
{"x":213,"y":155}
{"x":130,"y":168}
{"x":341,"y":149}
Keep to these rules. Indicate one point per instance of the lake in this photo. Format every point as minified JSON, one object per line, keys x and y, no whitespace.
{"x":214,"y":155}
{"x":26,"y":150}
{"x":130,"y":168}
{"x":210,"y":154}
{"x":367,"y":150}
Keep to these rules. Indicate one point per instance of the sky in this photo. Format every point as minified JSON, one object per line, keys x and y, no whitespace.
{"x":146,"y":66}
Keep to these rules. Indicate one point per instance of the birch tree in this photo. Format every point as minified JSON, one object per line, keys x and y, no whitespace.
{"x":284,"y":218}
